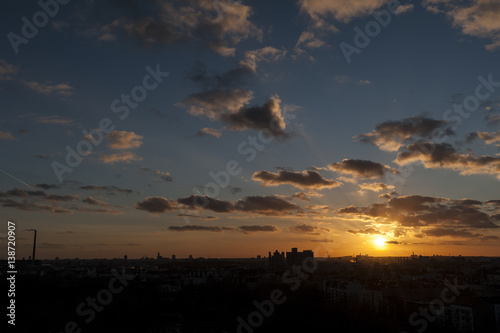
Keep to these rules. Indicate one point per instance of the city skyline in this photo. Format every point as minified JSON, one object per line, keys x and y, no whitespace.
{"x":222,"y":129}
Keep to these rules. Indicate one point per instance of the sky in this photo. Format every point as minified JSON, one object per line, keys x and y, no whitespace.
{"x":223,"y":128}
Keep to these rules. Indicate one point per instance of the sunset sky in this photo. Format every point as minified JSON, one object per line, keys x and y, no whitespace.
{"x":221,"y":128}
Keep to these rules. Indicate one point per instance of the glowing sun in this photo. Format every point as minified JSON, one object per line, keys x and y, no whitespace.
{"x":379,"y":241}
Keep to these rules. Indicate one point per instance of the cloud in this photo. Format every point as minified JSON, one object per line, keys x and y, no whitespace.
{"x":304,"y":180}
{"x":266,"y":54}
{"x":35,"y":207}
{"x":477,"y":18}
{"x":392,"y":135}
{"x":416,"y":211}
{"x":493,"y":119}
{"x":125,"y":157}
{"x":210,"y":131}
{"x":164,"y":176}
{"x":6,"y":70}
{"x":343,"y":11}
{"x":56,"y":120}
{"x":307,"y":229}
{"x":269,"y":117}
{"x":17,"y":192}
{"x":368,"y":231}
{"x":38,"y":195}
{"x":197,"y":216}
{"x":265,"y":205}
{"x":487,"y":137}
{"x":156,"y":205}
{"x":167,"y":22}
{"x":404,"y":9}
{"x":305,"y":196}
{"x":226,"y":98}
{"x":257,"y":228}
{"x":48,"y":88}
{"x":309,"y":40}
{"x":56,"y":197}
{"x":345,"y":79}
{"x":111,"y":189}
{"x":198,"y":228}
{"x":6,"y":136}
{"x":457,"y":233}
{"x":376,"y":187}
{"x":46,"y":156}
{"x":124,"y":140}
{"x":92,"y":201}
{"x":245,"y":228}
{"x":445,"y":156}
{"x":361,"y":168}
{"x":393,"y":242}
{"x":214,"y":103}
{"x":208,"y":203}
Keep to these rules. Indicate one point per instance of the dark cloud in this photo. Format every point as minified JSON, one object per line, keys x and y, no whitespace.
{"x":197,"y":216}
{"x":257,"y":228}
{"x":34,"y":207}
{"x":368,"y":231}
{"x":154,"y":23}
{"x":302,"y":196}
{"x":265,"y":205}
{"x":56,"y":197}
{"x":393,"y":242}
{"x":307,"y":229}
{"x":392,"y":135}
{"x":46,"y":156}
{"x":361,"y":168}
{"x":445,"y":156}
{"x":457,"y":233}
{"x":37,"y":195}
{"x":106,"y":188}
{"x":238,"y":76}
{"x":244,"y":229}
{"x":235,"y":189}
{"x":199,"y":228}
{"x":17,"y":192}
{"x":92,"y":201}
{"x":155,"y":205}
{"x":422,"y":211}
{"x":226,"y":97}
{"x":208,"y":203}
{"x":493,"y":119}
{"x":349,"y":210}
{"x":413,"y":202}
{"x":304,"y":180}
{"x":265,"y":117}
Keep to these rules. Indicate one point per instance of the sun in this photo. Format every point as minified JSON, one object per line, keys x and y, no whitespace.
{"x":379,"y":241}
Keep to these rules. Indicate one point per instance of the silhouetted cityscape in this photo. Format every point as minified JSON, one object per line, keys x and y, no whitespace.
{"x":285,"y":291}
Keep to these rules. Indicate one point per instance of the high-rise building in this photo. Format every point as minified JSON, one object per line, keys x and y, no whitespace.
{"x":296,"y":258}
